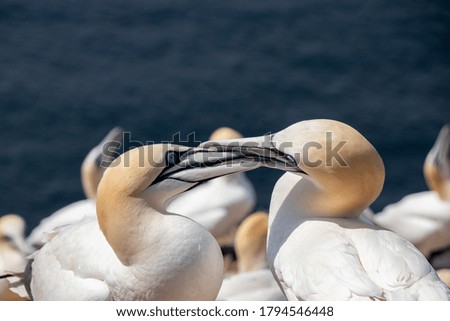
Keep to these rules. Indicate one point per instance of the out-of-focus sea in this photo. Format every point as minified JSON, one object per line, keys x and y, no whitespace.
{"x":71,"y":70}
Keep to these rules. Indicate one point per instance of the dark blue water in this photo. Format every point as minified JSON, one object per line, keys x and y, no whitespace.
{"x":71,"y":70}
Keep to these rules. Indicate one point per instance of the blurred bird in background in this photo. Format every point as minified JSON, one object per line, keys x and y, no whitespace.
{"x":424,"y":218}
{"x":254,"y":280}
{"x":13,"y":250}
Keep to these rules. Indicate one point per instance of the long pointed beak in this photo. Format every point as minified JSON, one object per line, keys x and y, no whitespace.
{"x":197,"y":165}
{"x":440,"y":153}
{"x":260,"y":150}
{"x":218,"y":158}
{"x":112,"y":141}
{"x":114,"y":135}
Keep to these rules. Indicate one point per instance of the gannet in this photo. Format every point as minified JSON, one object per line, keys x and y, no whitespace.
{"x":92,"y":170}
{"x":318,"y":247}
{"x":230,"y":199}
{"x":136,"y":250}
{"x":12,"y":255}
{"x":254,"y":280}
{"x":424,"y":218}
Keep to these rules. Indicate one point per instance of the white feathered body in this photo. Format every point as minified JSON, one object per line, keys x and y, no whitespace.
{"x":343,"y":258}
{"x":178,"y":263}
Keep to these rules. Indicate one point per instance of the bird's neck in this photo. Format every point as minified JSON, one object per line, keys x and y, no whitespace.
{"x":126,"y":223}
{"x":305,"y":197}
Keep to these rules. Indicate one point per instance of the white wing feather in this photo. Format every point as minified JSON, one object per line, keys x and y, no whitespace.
{"x":70,"y":214}
{"x":56,"y":262}
{"x":323,"y":261}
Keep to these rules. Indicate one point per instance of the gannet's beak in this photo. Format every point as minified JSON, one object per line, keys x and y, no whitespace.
{"x":261,"y":150}
{"x":440,"y":153}
{"x":219,"y":158}
{"x":112,"y":141}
